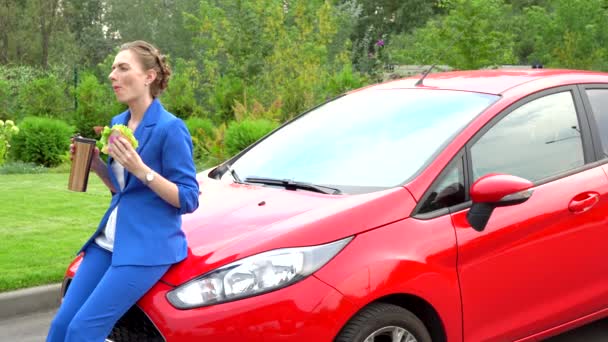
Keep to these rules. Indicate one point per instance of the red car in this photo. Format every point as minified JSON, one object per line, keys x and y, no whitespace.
{"x":467,"y":206}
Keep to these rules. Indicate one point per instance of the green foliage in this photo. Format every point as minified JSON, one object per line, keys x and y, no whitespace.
{"x":7,"y":131}
{"x":343,"y":81}
{"x":377,"y":20}
{"x":12,"y":80}
{"x":179,"y":98}
{"x":276,"y":52}
{"x":227,"y":91}
{"x":102,"y":70}
{"x":255,"y":110}
{"x":241,"y":134}
{"x":204,"y":139}
{"x":19,"y":167}
{"x":84,"y":18}
{"x":569,"y":34}
{"x":96,"y":105}
{"x":200,"y":128}
{"x":474,"y":34}
{"x":160,"y":22}
{"x":43,"y":141}
{"x":5,"y":100}
{"x":272,"y":59}
{"x":43,"y":96}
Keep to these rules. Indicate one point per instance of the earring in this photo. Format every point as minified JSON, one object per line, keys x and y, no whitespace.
{"x":146,"y":84}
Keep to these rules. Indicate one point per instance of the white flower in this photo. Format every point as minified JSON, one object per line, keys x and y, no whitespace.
{"x":9,"y":123}
{"x":15,"y":129}
{"x":1,"y":123}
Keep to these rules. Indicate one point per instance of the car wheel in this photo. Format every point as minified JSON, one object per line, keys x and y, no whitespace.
{"x":380,"y":322}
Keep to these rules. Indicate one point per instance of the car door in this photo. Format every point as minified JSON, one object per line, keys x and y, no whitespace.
{"x":541,"y":263}
{"x":596,"y":102}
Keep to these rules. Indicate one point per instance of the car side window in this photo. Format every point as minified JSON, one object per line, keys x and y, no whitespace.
{"x":448,"y":191}
{"x":599,"y":105}
{"x":540,"y":139}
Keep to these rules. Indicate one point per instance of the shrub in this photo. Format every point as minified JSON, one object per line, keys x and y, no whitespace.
{"x":241,"y":134}
{"x":227,"y":90}
{"x":5,"y":99}
{"x":12,"y":80}
{"x":43,"y":141}
{"x":255,"y":110}
{"x":7,"y":131}
{"x":44,"y":96}
{"x":203,"y":138}
{"x":19,"y":167}
{"x":345,"y":80}
{"x":179,"y":98}
{"x":96,"y":106}
{"x":201,"y":128}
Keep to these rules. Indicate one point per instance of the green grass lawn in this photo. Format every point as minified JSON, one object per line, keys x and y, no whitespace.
{"x":42,"y":226}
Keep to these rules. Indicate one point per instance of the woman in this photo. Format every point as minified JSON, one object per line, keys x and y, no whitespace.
{"x":140,"y":235}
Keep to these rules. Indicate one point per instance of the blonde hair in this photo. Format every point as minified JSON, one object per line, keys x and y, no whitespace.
{"x":151,"y":58}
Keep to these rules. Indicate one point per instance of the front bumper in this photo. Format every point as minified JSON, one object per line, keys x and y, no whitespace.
{"x":306,"y":311}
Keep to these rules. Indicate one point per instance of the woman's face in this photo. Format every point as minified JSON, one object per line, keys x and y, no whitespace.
{"x":128,"y":78}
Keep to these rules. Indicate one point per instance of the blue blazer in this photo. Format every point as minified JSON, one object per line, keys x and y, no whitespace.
{"x":148,"y":229}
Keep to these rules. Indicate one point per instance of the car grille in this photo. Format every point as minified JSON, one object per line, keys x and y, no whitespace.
{"x":133,"y":326}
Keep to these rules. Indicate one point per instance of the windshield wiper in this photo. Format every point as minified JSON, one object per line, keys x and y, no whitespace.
{"x":293,"y":185}
{"x":235,"y":176}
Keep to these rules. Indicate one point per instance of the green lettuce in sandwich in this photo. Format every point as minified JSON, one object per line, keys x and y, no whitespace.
{"x":109,"y":134}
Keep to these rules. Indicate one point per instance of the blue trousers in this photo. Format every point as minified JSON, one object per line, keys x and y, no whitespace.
{"x":99,"y":295}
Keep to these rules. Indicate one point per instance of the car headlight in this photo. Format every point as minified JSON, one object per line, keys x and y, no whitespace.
{"x":254,"y":275}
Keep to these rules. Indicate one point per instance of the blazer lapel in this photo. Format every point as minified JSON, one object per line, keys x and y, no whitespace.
{"x":122,"y":118}
{"x":143,"y":132}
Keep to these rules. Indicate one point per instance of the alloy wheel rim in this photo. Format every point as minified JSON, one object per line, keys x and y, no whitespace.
{"x":392,"y":334}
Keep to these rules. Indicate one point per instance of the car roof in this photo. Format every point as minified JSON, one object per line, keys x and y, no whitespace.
{"x":495,"y":81}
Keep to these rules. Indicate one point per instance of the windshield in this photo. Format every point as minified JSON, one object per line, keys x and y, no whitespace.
{"x":365,"y":140}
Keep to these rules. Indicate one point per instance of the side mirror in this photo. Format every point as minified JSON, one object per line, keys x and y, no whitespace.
{"x":495,"y":190}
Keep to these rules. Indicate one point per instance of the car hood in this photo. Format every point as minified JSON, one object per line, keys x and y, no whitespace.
{"x":234,"y":221}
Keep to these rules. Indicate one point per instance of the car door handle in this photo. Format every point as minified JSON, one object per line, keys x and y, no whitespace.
{"x":583,"y":202}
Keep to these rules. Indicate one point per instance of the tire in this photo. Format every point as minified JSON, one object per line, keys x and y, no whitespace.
{"x":378,"y":321}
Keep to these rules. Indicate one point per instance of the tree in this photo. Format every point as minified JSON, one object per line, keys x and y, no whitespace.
{"x":7,"y":15}
{"x":278,"y":51}
{"x":85,"y":20}
{"x":161,"y":22}
{"x":48,"y":13}
{"x":378,"y":20}
{"x":16,"y":32}
{"x":569,"y":34}
{"x":474,"y":34}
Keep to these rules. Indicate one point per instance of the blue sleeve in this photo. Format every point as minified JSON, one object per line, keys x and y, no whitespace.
{"x":178,"y":165}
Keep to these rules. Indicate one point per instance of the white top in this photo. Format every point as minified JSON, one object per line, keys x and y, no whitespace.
{"x":105,"y":239}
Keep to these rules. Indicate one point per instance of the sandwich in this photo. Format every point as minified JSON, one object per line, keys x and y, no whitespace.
{"x":109,"y":134}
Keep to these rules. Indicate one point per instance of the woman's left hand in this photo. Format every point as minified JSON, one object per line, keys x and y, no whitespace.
{"x":122,"y":151}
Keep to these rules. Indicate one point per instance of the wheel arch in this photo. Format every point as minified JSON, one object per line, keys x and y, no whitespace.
{"x":419,"y":307}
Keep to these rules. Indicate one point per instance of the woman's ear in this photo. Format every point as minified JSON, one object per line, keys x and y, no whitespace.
{"x":151,"y":76}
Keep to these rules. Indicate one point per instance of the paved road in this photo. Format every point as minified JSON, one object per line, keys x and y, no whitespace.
{"x":33,"y":328}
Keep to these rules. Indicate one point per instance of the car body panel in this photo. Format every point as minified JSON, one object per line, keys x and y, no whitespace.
{"x":496,"y":82}
{"x":234,"y":225}
{"x":414,"y":258}
{"x":551,"y":264}
{"x":308,"y":310}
